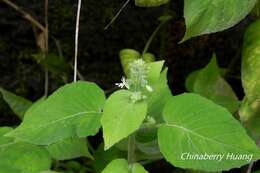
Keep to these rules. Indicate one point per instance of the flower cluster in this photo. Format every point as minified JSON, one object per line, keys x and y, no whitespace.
{"x":137,"y":81}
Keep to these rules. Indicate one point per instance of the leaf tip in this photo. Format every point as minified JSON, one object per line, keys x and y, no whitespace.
{"x":185,"y":38}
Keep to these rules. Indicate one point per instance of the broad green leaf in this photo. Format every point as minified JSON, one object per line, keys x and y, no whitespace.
{"x":147,"y":132}
{"x":19,"y":157}
{"x":209,"y":83}
{"x":73,"y":110}
{"x":117,"y":166}
{"x":69,"y":149}
{"x":150,"y":3}
{"x":138,"y":168}
{"x":210,"y":16}
{"x":8,"y":169}
{"x":18,"y":104}
{"x":146,"y":137}
{"x":161,"y":91}
{"x":121,"y":166}
{"x":73,"y":165}
{"x":250,"y":116}
{"x":196,"y":125}
{"x":35,"y":105}
{"x":190,"y":80}
{"x":251,"y":62}
{"x":253,"y":126}
{"x":256,"y":10}
{"x":147,"y":144}
{"x":121,"y":117}
{"x":5,"y":140}
{"x":49,"y":172}
{"x":150,"y":148}
{"x":249,"y":110}
{"x":148,"y":57}
{"x":103,"y":158}
{"x":154,"y":71}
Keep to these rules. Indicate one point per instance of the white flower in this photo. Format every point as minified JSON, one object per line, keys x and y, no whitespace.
{"x":124,"y":83}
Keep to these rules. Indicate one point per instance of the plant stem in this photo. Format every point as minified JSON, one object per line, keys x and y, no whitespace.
{"x":25,"y":15}
{"x":117,"y":14}
{"x":148,"y":43}
{"x":76,"y":42}
{"x":131,"y":149}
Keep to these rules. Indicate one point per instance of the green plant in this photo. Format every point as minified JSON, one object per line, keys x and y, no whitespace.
{"x":142,"y":121}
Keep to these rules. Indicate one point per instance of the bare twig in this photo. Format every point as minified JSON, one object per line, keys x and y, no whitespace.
{"x":117,"y":14}
{"x":44,"y":29}
{"x":76,"y":41}
{"x":26,"y":15}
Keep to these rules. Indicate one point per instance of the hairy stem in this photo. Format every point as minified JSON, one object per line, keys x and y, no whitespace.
{"x":131,"y":149}
{"x":76,"y":42}
{"x":26,"y":15}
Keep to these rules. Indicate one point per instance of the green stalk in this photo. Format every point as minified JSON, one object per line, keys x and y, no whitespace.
{"x":148,"y":43}
{"x":131,"y":149}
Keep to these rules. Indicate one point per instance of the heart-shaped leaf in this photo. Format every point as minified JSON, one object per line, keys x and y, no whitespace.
{"x":73,"y":110}
{"x":20,"y":157}
{"x":202,"y":135}
{"x":209,"y":16}
{"x":121,"y":117}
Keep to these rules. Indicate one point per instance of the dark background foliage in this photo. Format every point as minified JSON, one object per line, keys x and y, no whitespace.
{"x":98,"y":56}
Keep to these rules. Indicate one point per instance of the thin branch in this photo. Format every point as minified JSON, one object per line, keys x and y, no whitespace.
{"x":76,"y":42}
{"x":25,"y":14}
{"x":117,"y":14}
{"x":46,"y":42}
